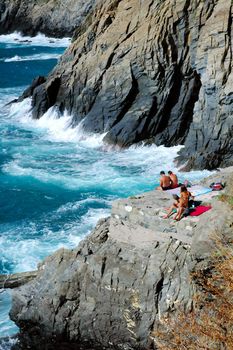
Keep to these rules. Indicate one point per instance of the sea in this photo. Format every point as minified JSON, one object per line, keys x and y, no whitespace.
{"x":56,"y":181}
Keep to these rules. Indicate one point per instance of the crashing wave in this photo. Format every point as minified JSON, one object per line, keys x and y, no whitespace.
{"x":38,"y":40}
{"x":39,"y":57}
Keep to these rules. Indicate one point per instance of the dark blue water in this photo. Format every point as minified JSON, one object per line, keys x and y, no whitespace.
{"x":55,"y":182}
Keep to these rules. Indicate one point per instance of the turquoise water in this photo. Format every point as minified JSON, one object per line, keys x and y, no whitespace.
{"x":55,"y":181}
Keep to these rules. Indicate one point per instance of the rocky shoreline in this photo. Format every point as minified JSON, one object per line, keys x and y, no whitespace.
{"x":150,"y":72}
{"x":131,"y":270}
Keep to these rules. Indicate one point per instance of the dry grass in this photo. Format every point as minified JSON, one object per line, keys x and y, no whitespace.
{"x":227,"y":197}
{"x":210,"y":325}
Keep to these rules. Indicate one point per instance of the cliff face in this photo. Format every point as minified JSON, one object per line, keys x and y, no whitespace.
{"x":154,"y":71}
{"x":56,"y":18}
{"x":104,"y":292}
{"x":116,"y":285}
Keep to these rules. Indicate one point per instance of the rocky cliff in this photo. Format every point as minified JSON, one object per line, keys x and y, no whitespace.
{"x":117,"y":284}
{"x":153,"y":71}
{"x":57,"y":18}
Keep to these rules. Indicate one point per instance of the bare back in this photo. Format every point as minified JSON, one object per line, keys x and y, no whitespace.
{"x":165,"y":181}
{"x":174,"y":179}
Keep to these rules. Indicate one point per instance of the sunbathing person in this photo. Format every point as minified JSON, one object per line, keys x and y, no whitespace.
{"x":174,"y":179}
{"x":165,"y":182}
{"x":174,"y":206}
{"x":183,"y":205}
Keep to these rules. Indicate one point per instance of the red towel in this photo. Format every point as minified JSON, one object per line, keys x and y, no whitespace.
{"x":200,"y":210}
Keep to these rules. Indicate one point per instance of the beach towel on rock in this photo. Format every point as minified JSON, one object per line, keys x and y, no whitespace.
{"x":196,"y":190}
{"x":200,"y":209}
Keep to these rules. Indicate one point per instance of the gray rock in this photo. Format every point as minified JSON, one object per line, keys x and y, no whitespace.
{"x":16,"y":279}
{"x":156,"y":72}
{"x":104,"y":292}
{"x":53,"y":18}
{"x":131,"y":270}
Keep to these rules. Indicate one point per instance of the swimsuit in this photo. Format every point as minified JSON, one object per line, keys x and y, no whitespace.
{"x":175,"y":186}
{"x":166,"y":188}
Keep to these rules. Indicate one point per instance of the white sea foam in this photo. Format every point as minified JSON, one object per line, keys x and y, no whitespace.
{"x":93,"y":215}
{"x":112,"y":169}
{"x":21,"y":111}
{"x":26,"y":253}
{"x":7,"y":95}
{"x":59,"y":128}
{"x":36,"y":57}
{"x":44,"y":175}
{"x":73,"y":206}
{"x":7,"y":344}
{"x":88,"y":222}
{"x":6,"y":327}
{"x":38,"y":40}
{"x":55,"y":127}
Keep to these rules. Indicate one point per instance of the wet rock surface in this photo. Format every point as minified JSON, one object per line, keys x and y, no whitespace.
{"x":113,"y":288}
{"x":153,"y":71}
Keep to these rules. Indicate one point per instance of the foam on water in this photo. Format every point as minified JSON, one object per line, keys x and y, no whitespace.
{"x":5,"y":326}
{"x":21,"y":111}
{"x":108,"y":165}
{"x":26,"y":234}
{"x":58,"y":127}
{"x":35,"y":57}
{"x":7,"y":343}
{"x":38,"y":40}
{"x":72,"y":206}
{"x":25,"y":252}
{"x":7,"y":95}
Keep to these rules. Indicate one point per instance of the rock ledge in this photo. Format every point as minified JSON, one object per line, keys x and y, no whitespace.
{"x":113,"y":288}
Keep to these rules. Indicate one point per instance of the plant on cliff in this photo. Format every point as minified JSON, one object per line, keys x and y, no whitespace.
{"x":210,"y":324}
{"x":227,"y":197}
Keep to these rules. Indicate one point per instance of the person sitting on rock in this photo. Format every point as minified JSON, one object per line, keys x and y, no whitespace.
{"x":165,"y":182}
{"x":174,"y":179}
{"x":183,"y":202}
{"x":174,"y":206}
